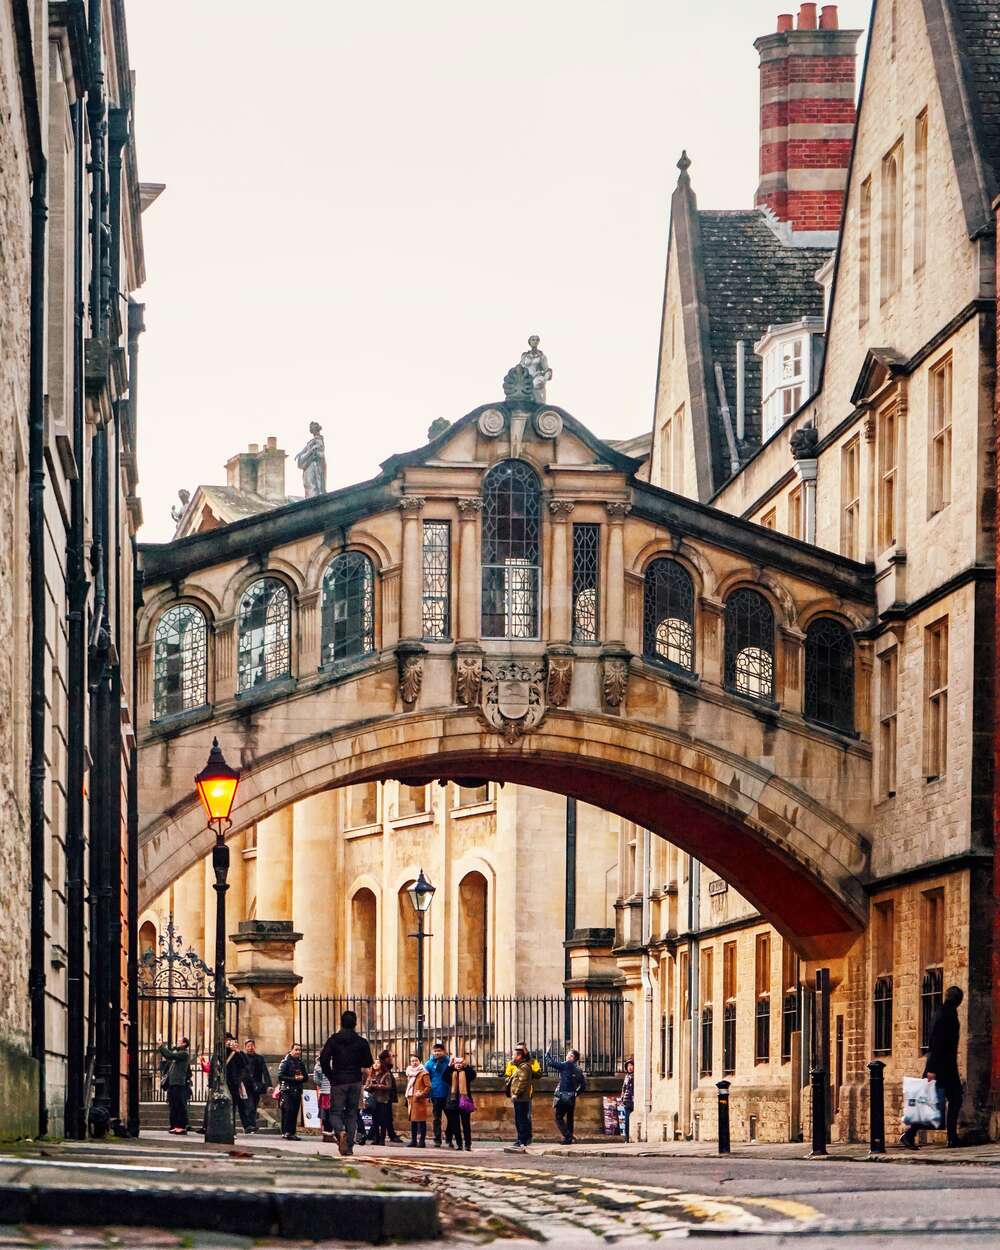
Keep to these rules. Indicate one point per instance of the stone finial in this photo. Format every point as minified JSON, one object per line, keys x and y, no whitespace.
{"x":684,"y":164}
{"x":437,"y":428}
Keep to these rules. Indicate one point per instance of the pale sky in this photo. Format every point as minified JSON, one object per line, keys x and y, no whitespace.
{"x":370,"y":206}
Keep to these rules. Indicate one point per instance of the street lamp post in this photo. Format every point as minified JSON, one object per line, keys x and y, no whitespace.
{"x":217,"y":784}
{"x":421,"y":893}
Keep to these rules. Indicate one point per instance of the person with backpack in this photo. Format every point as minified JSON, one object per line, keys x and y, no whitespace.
{"x":520,"y":1076}
{"x":571,"y":1082}
{"x":460,"y":1106}
{"x":626,"y":1100}
{"x":176,"y":1081}
{"x":346,"y":1060}
{"x":291,"y":1076}
{"x":418,"y":1092}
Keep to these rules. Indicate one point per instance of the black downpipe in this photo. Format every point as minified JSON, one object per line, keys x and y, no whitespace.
{"x":570,"y":925}
{"x":36,"y":553}
{"x":77,"y":591}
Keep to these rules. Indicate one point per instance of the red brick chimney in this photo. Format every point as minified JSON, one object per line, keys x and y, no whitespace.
{"x":806,"y":117}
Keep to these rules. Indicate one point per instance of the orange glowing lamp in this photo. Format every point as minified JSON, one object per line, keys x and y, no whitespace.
{"x":217,"y":784}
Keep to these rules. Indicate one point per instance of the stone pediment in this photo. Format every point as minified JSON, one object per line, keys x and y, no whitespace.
{"x":882,"y":365}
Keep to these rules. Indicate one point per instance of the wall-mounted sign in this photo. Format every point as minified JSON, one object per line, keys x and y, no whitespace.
{"x":718,"y":886}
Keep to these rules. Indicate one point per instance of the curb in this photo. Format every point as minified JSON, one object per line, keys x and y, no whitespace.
{"x":368,"y":1215}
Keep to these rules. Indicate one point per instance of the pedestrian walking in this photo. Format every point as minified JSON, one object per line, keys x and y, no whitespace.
{"x":346,"y":1060}
{"x":323,"y":1100}
{"x":176,"y":1081}
{"x":380,"y":1088}
{"x":291,"y":1076}
{"x":941,"y":1065}
{"x":626,"y":1099}
{"x":418,"y":1094}
{"x":571,"y":1082}
{"x":460,"y":1105}
{"x":439,"y":1069}
{"x":257,"y":1081}
{"x":520,"y":1076}
{"x":236,"y":1081}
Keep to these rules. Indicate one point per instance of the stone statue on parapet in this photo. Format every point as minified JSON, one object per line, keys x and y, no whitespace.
{"x":312,"y":461}
{"x":175,"y":512}
{"x":536,"y":363}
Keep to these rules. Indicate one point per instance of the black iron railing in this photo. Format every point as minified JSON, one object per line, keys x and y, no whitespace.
{"x":489,"y":1028}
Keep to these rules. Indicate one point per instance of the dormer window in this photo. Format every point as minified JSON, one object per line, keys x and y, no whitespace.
{"x":788,"y":353}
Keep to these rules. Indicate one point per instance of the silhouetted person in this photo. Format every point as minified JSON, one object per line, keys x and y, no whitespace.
{"x":941,"y":1065}
{"x":346,"y":1060}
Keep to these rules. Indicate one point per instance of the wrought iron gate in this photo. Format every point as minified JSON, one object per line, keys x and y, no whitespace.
{"x":176,"y":999}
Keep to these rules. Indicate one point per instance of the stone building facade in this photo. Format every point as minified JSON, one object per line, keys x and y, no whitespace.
{"x":70,"y":515}
{"x":881,"y":449}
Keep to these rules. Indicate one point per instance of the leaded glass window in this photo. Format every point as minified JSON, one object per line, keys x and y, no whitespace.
{"x":437,"y":579}
{"x":729,"y":1038}
{"x":829,"y":694}
{"x":511,"y":551}
{"x":180,"y":661}
{"x":931,"y":997}
{"x":668,"y":614}
{"x":750,"y":645}
{"x":348,"y":608}
{"x":263,"y":649}
{"x":706,"y":1041}
{"x":586,"y":575}
{"x":883,"y":1016}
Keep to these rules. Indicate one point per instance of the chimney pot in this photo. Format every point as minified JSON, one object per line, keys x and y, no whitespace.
{"x":807,"y":17}
{"x":272,"y":442}
{"x":828,"y":17}
{"x":252,"y":447}
{"x":785,"y":22}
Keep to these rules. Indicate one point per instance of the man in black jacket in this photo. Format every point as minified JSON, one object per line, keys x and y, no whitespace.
{"x":236,"y":1080}
{"x":256,"y":1080}
{"x":345,"y":1060}
{"x":942,"y":1064}
{"x":291,"y":1078}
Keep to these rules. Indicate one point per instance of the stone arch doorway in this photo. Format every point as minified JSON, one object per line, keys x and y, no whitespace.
{"x":784,"y":841}
{"x":473,"y":930}
{"x":364,"y":943}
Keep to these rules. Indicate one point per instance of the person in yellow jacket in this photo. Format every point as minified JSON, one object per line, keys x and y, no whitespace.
{"x":519,"y":1077}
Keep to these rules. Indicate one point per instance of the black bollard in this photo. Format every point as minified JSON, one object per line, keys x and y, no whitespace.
{"x":876,"y":1105}
{"x":723,"y":1088}
{"x":817,"y":1080}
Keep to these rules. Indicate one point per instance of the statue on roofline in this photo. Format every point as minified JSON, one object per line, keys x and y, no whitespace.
{"x":312,"y":461}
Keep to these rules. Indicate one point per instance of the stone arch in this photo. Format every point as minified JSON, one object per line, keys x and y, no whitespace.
{"x":148,"y":937}
{"x":833,"y":607}
{"x":472,"y":963}
{"x":406,"y":945}
{"x":782,"y":603}
{"x":151,"y":612}
{"x":374,"y":548}
{"x":792,"y":854}
{"x":282,"y":570}
{"x":362,"y":930}
{"x":702,"y":574}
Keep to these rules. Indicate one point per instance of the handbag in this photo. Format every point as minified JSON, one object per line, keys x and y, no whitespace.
{"x":466,"y":1104}
{"x":921,"y":1103}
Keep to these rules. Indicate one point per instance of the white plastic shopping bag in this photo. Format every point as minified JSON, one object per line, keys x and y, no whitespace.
{"x":921,"y":1103}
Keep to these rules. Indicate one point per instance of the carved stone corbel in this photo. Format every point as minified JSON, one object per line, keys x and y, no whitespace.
{"x":614,"y":679}
{"x":410,"y":664}
{"x":468,"y":677}
{"x":558,"y":678}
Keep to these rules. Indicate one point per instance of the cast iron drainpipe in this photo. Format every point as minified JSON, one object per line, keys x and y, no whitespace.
{"x":995,"y":935}
{"x":36,"y":556}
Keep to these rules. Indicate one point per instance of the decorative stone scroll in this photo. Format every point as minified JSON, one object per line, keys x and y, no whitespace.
{"x":491,"y":423}
{"x":558,"y":679}
{"x":614,"y":680}
{"x":411,"y":675}
{"x":469,"y":505}
{"x":468,"y":679}
{"x":548,"y":424}
{"x":513,"y":697}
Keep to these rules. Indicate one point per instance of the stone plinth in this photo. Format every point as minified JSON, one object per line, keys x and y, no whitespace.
{"x":266,"y":978}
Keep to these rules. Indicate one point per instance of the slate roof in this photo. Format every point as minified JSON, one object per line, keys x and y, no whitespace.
{"x":752,"y":280}
{"x":977,"y":27}
{"x":227,"y":504}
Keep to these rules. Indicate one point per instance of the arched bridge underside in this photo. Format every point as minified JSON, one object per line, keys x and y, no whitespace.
{"x":796,"y":859}
{"x":511,"y":602}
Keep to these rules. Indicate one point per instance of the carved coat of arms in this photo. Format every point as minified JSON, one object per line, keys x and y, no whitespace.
{"x":513,"y":696}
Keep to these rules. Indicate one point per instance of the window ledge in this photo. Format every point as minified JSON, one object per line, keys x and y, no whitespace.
{"x":344,"y":668}
{"x":405,"y":822}
{"x":180,"y":720}
{"x":266,"y":691}
{"x":474,"y":809}
{"x":361,"y":831}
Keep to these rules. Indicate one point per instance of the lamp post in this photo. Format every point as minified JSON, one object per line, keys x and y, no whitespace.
{"x":421,"y":893}
{"x":217,"y":784}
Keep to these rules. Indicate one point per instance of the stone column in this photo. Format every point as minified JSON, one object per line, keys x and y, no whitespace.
{"x":614,"y":580}
{"x":316,"y":909}
{"x":308,"y":615}
{"x":274,"y":866}
{"x":411,"y":624}
{"x":469,"y":578}
{"x":560,"y":590}
{"x":189,"y":909}
{"x":265,"y":977}
{"x":224,"y":656}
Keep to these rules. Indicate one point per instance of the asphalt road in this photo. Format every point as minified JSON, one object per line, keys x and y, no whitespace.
{"x":583,"y":1201}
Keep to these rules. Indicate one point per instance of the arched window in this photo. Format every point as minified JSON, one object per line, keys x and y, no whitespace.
{"x":348,"y":608}
{"x":406,"y":946}
{"x":668,"y":614}
{"x":750,"y":645}
{"x":180,"y":661}
{"x":511,"y":551}
{"x":364,"y":918}
{"x":829,"y":693}
{"x":263,"y":648}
